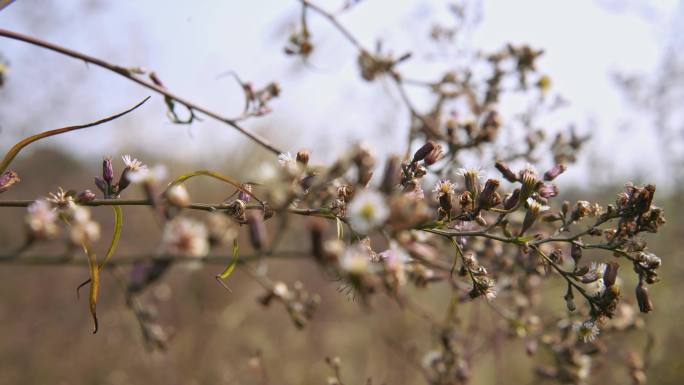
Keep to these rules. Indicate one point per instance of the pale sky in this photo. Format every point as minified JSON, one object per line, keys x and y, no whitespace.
{"x":324,"y":104}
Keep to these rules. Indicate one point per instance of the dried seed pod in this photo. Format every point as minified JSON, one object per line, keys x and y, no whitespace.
{"x":643,"y":298}
{"x":506,"y":171}
{"x":257,"y":229}
{"x":489,"y":198}
{"x":610,"y":274}
{"x":423,"y":151}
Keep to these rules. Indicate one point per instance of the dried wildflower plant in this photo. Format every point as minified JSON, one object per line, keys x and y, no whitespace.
{"x":493,"y":233}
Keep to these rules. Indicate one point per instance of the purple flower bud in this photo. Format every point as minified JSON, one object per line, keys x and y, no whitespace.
{"x":85,"y":196}
{"x":548,"y":190}
{"x":554,"y":172}
{"x":243,"y":196}
{"x":107,"y":170}
{"x":7,"y":179}
{"x":101,"y":185}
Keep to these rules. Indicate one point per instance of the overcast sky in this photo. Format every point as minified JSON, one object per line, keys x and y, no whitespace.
{"x":324,"y":103}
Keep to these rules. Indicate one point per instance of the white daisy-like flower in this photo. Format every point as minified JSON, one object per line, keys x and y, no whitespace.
{"x":443,"y":187}
{"x":367,"y":211}
{"x":132,"y":164}
{"x":147,"y":174}
{"x":185,"y":237}
{"x":41,"y":219}
{"x":587,"y":331}
{"x":476,"y":172}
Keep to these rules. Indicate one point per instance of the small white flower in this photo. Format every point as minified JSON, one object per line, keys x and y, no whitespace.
{"x":443,"y":187}
{"x":85,"y":232}
{"x":41,"y":219}
{"x":185,"y":237}
{"x":178,"y":195}
{"x":356,"y":260}
{"x":132,"y":164}
{"x":280,"y":290}
{"x":475,"y":172}
{"x":148,"y":174}
{"x":587,"y":331}
{"x":367,"y":211}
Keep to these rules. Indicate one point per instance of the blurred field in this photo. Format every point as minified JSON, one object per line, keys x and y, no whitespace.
{"x":46,"y":335}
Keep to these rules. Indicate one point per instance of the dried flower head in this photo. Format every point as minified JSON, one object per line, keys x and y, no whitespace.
{"x":178,"y":195}
{"x":185,"y":237}
{"x":472,"y":178}
{"x":41,"y":219}
{"x":7,"y":179}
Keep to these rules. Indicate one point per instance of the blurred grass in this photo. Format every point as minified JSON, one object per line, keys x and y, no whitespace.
{"x":46,"y":338}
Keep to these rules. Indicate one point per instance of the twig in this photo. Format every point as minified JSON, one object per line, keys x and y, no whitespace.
{"x":128,"y":74}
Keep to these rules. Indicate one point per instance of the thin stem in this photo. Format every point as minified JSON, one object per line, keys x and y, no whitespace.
{"x":333,"y":20}
{"x":69,"y":260}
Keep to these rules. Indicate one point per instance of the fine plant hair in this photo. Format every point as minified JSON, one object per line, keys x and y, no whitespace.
{"x":420,"y":218}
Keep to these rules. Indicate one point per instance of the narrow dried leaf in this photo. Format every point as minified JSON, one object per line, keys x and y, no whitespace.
{"x":94,"y":283}
{"x":230,"y":268}
{"x":12,"y":153}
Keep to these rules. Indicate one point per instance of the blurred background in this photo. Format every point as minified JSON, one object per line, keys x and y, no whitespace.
{"x":617,"y":65}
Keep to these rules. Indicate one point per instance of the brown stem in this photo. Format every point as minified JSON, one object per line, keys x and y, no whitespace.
{"x":125,"y":72}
